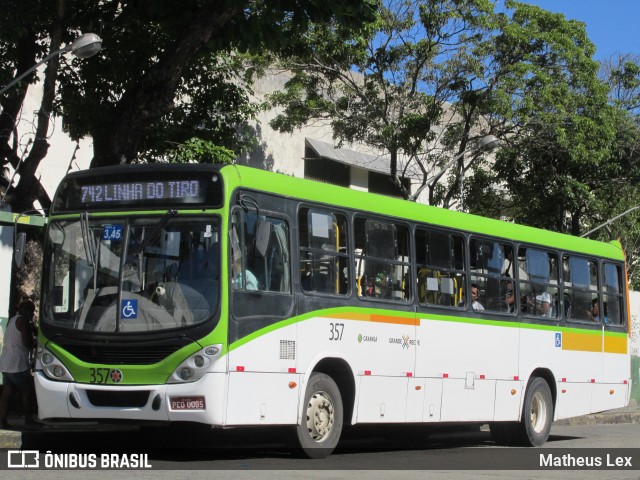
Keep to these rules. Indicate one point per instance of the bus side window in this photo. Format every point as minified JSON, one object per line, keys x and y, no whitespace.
{"x":580,"y":287}
{"x":259,"y":253}
{"x":440,"y":261}
{"x":538,"y":274}
{"x":492,"y":271}
{"x":383,"y":269}
{"x":324,"y":260}
{"x":612,"y":295}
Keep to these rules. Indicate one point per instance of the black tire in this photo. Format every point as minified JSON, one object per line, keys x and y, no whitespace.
{"x":537,"y":413}
{"x":319,"y":431}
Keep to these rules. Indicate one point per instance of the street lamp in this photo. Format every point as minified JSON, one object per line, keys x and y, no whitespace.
{"x":609,"y":222}
{"x":486,"y":144}
{"x":84,"y":46}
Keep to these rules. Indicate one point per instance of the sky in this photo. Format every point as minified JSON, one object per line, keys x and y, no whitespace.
{"x":612,"y":25}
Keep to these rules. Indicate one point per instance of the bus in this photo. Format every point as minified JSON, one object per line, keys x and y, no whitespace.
{"x":231,"y":296}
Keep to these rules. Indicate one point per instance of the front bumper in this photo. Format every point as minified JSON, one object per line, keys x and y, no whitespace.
{"x":134,"y":403}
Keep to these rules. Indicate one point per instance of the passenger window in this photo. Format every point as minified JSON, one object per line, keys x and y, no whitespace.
{"x":324,"y":261}
{"x":440,"y":261}
{"x":613,"y":295}
{"x":538,"y":274}
{"x":581,"y":300}
{"x":492,"y":276}
{"x":382,"y":260}
{"x":259,"y":253}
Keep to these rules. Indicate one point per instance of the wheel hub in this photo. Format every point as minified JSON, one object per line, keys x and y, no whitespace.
{"x":538,"y":412}
{"x":320,"y":416}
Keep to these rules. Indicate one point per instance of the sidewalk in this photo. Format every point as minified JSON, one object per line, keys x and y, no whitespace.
{"x":20,"y":435}
{"x":630,"y":414}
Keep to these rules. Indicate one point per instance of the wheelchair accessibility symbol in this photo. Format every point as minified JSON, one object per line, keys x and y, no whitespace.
{"x":558,"y":340}
{"x":129,"y":309}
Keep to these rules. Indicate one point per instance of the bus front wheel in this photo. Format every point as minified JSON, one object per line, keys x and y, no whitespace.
{"x":319,"y":431}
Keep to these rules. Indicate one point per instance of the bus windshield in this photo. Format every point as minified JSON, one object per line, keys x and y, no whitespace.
{"x":132,"y":274}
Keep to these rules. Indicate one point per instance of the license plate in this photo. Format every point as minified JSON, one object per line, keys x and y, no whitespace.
{"x":187,"y":403}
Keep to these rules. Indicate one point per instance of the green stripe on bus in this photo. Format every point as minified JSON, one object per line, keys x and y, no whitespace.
{"x":335,"y":312}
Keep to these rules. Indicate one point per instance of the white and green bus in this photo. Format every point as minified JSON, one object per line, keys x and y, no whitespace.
{"x":232,"y":297}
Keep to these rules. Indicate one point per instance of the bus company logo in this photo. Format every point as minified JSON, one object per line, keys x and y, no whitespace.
{"x":405,"y":341}
{"x":367,"y":338}
{"x":23,"y":459}
{"x":116,"y":376}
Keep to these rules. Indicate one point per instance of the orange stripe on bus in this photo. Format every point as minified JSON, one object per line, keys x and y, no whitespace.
{"x":372,"y":317}
{"x":581,"y":342}
{"x":615,"y":345}
{"x":593,"y":343}
{"x":395,"y":320}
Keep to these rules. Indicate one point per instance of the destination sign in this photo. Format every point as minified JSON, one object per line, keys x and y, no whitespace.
{"x":135,"y":187}
{"x":185,"y":190}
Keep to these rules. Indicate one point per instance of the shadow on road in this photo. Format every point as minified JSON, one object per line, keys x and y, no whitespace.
{"x":196,"y":443}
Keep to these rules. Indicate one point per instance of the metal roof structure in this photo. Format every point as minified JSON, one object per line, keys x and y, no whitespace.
{"x":375,"y":163}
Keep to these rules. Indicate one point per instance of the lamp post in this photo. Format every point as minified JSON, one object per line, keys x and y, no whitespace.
{"x":84,"y":46}
{"x":486,"y":143}
{"x":609,"y":222}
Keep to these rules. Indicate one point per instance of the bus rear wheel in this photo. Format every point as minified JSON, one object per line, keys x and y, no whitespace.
{"x":535,"y":423}
{"x":319,"y":431}
{"x":537,"y":413}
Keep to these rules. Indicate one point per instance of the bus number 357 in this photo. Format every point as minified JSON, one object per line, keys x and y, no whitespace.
{"x":335,"y":331}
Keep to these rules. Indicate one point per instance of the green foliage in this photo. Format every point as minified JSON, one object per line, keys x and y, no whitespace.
{"x":168,"y":71}
{"x":196,"y":150}
{"x":391,"y":87}
{"x":431,"y":76}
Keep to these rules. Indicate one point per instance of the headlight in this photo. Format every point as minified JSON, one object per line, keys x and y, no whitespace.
{"x":53,"y":368}
{"x":194,"y":367}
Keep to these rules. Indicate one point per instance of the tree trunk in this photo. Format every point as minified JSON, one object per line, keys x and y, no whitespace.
{"x":153,"y":97}
{"x":29,"y":188}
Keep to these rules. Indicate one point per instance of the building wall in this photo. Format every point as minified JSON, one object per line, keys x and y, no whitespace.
{"x":60,"y":156}
{"x":6,"y":263}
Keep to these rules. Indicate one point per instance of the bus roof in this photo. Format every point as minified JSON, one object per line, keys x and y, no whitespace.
{"x":302,"y":189}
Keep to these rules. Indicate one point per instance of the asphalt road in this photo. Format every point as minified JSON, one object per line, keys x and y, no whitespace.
{"x":364,"y":453}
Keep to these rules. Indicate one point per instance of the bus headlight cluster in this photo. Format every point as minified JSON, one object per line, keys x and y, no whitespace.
{"x":194,"y":367}
{"x":53,"y":368}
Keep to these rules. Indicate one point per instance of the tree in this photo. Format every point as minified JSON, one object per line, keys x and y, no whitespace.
{"x":392,"y":88}
{"x":561,"y":152}
{"x":168,"y":72}
{"x":434,"y":75}
{"x":620,"y":195}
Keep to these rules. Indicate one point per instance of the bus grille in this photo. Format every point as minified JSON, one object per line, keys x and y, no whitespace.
{"x":115,"y":355}
{"x":105,"y":398}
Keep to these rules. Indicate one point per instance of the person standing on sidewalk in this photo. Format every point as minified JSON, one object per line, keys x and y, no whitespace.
{"x":14,"y":361}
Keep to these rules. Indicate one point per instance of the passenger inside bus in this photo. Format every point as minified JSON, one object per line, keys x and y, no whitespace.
{"x":475,"y":304}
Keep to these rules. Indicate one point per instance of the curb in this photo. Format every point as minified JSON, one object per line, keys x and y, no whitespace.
{"x":601,"y":419}
{"x":10,"y":439}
